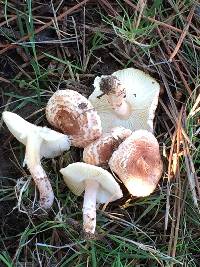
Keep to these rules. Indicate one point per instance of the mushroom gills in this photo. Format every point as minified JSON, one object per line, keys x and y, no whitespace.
{"x":99,"y":186}
{"x":138,"y":103}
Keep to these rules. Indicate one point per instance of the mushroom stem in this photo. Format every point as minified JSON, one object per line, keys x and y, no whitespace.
{"x":89,"y":206}
{"x":123,"y":110}
{"x":38,"y":174}
{"x":116,"y":96}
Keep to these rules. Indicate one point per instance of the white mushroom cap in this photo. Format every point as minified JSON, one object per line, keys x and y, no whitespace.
{"x":53,"y":144}
{"x":142,"y":92}
{"x":100,"y":151}
{"x":76,"y":174}
{"x":17,"y":126}
{"x":75,"y":116}
{"x":40,"y":142}
{"x":137,"y":162}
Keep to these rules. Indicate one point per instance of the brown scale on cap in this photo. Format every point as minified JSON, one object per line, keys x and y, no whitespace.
{"x":110,"y":84}
{"x":75,"y":116}
{"x":100,"y":151}
{"x":144,"y":160}
{"x":138,"y":164}
{"x":67,"y":122}
{"x":112,"y":87}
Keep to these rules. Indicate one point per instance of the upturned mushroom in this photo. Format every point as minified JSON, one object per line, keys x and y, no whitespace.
{"x":127,"y":98}
{"x":138,"y":163}
{"x":99,"y":152}
{"x":40,"y":142}
{"x":99,"y":186}
{"x":74,"y":115}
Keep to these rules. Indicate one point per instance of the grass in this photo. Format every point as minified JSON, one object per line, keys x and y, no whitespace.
{"x":99,"y":38}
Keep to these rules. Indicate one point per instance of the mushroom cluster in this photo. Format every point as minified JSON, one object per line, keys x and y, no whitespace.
{"x":115,"y":129}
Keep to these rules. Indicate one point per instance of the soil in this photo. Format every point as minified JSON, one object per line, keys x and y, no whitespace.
{"x":12,"y":223}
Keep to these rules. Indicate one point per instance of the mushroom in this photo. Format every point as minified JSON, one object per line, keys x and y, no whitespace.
{"x":127,"y":98}
{"x":75,"y":116}
{"x":40,"y":142}
{"x":137,"y":162}
{"x":99,"y":186}
{"x":100,"y":151}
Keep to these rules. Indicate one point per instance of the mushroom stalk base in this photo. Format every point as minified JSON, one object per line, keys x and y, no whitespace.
{"x":89,"y":206}
{"x":39,"y":176}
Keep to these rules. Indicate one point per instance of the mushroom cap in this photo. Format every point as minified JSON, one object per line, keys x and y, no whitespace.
{"x":75,"y":116}
{"x":76,"y":174}
{"x":18,"y":126}
{"x":142,"y":92}
{"x":100,"y":151}
{"x":137,"y":162}
{"x":53,"y":143}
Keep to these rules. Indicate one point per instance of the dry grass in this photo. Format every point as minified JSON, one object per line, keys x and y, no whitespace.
{"x":65,"y":44}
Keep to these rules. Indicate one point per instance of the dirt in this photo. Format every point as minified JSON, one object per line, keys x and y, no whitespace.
{"x":102,"y":62}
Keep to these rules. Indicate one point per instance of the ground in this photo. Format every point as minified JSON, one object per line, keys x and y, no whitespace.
{"x":47,"y":45}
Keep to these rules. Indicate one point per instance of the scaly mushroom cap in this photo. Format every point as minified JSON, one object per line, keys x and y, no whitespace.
{"x":100,"y":151}
{"x":76,"y":174}
{"x":75,"y":116}
{"x":139,"y":90}
{"x":138,"y":164}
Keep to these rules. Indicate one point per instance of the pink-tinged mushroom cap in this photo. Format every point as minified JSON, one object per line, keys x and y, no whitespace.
{"x":138,"y":164}
{"x":100,"y":151}
{"x":75,"y":116}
